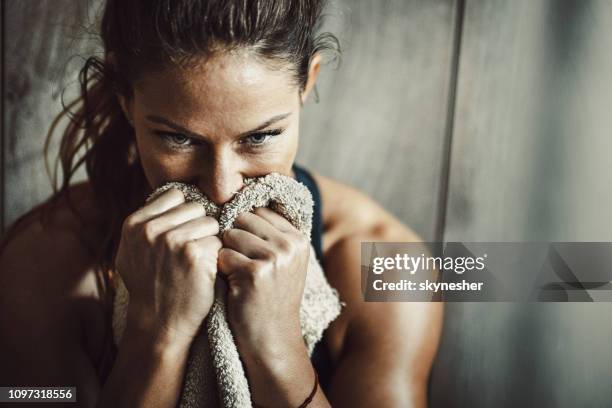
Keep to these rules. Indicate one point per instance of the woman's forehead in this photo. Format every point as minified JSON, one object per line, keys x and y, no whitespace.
{"x":226,"y":84}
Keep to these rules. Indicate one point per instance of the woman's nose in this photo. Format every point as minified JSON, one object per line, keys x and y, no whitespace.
{"x":220,"y":184}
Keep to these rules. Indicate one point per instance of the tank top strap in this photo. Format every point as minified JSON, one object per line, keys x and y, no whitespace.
{"x":303,"y":175}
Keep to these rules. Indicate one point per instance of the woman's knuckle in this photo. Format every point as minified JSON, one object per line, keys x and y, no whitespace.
{"x":150,"y":231}
{"x":269,"y":255}
{"x":129,"y":224}
{"x":253,"y":269}
{"x":191,"y":251}
{"x":285,"y":245}
{"x":172,"y":238}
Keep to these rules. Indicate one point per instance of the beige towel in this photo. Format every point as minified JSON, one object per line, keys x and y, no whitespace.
{"x":215,"y":376}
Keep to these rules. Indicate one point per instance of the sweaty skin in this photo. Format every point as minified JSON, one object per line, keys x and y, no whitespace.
{"x":211,"y":125}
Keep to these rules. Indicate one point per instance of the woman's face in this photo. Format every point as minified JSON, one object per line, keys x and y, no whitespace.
{"x":229,"y":118}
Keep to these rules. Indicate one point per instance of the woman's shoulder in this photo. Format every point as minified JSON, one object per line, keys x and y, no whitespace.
{"x":54,"y":225}
{"x":350,"y":213}
{"x":46,"y":267}
{"x":47,"y":244}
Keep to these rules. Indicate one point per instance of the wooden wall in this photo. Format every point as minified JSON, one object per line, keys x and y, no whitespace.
{"x":380,"y":124}
{"x":45,"y":46}
{"x":469,"y":120}
{"x":530,"y":162}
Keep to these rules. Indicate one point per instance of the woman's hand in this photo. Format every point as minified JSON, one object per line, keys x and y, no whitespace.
{"x":167,"y":258}
{"x":264,"y":259}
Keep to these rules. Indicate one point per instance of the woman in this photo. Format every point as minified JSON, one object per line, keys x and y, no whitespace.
{"x":207,"y":93}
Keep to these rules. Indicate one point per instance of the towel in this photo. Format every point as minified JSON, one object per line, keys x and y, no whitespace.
{"x":214,"y":375}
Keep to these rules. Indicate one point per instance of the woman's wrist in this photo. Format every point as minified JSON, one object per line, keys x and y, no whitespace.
{"x":148,"y":371}
{"x":154,"y":337}
{"x":282,"y":378}
{"x":308,"y":400}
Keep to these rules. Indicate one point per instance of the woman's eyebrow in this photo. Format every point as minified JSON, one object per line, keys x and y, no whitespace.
{"x":187,"y":132}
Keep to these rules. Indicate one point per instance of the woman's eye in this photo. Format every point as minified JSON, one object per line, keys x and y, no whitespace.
{"x":175,"y":139}
{"x":178,"y":139}
{"x":259,"y":139}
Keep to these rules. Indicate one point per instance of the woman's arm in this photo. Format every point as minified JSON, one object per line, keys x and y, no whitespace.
{"x":384,"y":349}
{"x":388,"y":347}
{"x":45,"y":287}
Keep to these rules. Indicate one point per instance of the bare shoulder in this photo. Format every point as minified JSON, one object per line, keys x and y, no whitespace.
{"x":48,"y":251}
{"x":48,"y":288}
{"x":348,"y":212}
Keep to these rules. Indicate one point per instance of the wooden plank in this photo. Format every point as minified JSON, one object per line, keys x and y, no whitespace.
{"x":380,"y":123}
{"x":530,"y":162}
{"x":42,"y":53}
